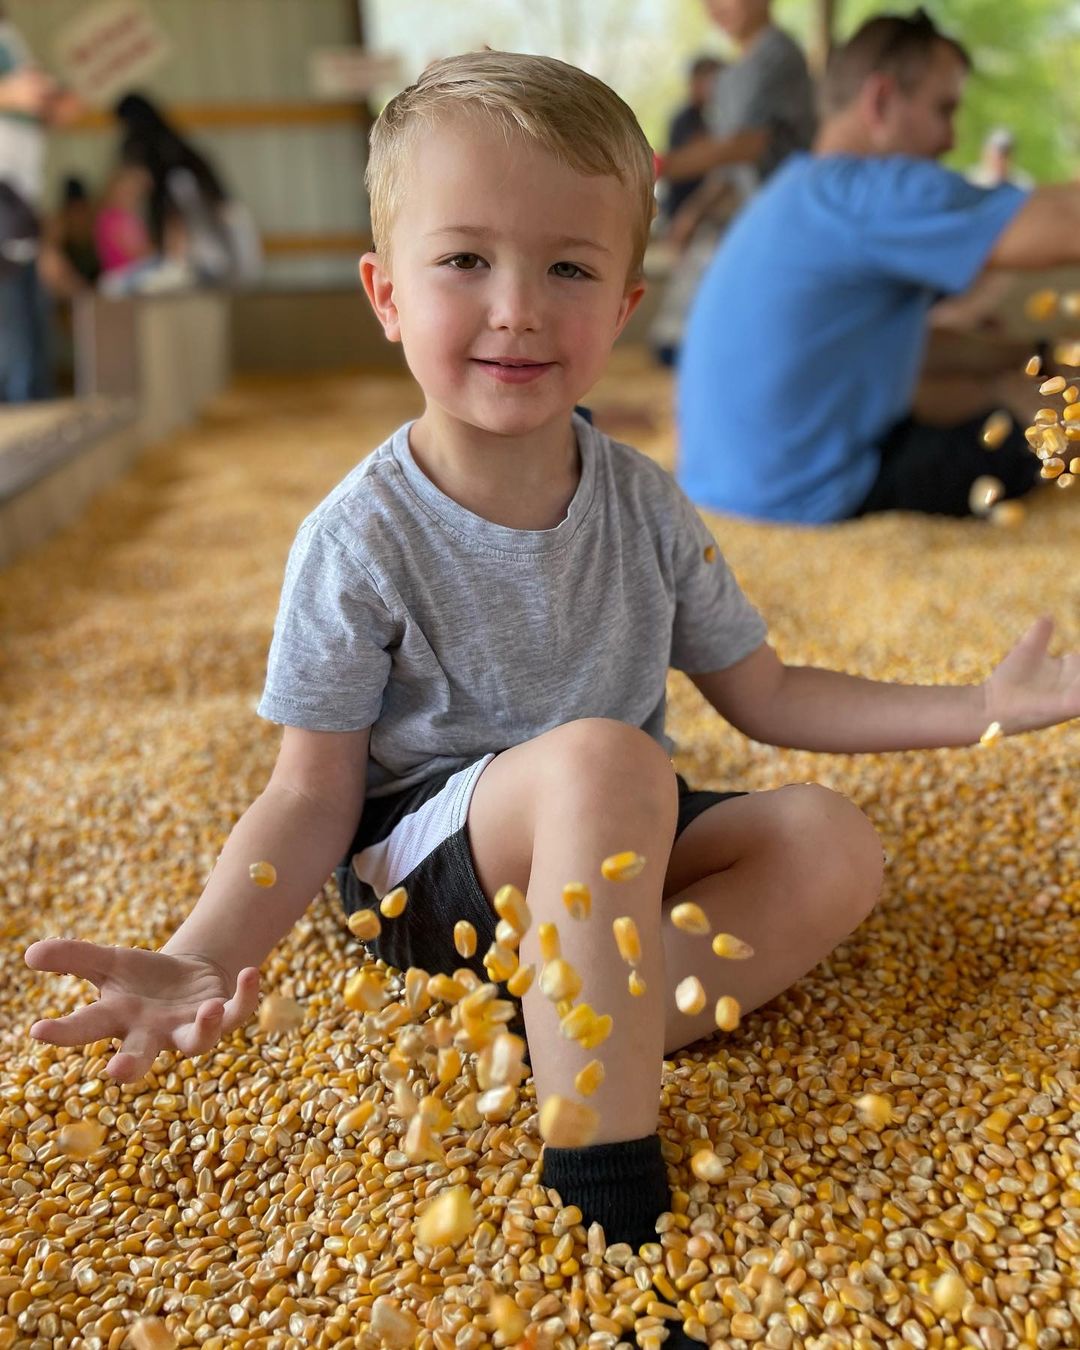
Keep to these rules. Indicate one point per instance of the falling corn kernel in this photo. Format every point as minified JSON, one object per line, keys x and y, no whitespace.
{"x":727,"y":1013}
{"x":559,"y":980}
{"x":505,"y":1060}
{"x":263,"y":873}
{"x":710,"y":553}
{"x":445,"y":988}
{"x":992,"y":734}
{"x":1034,"y":365}
{"x":1074,"y":465}
{"x":506,"y":935}
{"x":627,"y":939}
{"x":731,"y":948}
{"x":393,"y":904}
{"x":1033,"y":436}
{"x":507,"y":1318}
{"x":567,"y":1124}
{"x":997,"y":1122}
{"x":365,"y":992}
{"x":598,"y":1033}
{"x":150,"y":1333}
{"x":395,"y":1327}
{"x":588,"y":1079}
{"x":691,"y":918}
{"x":635,"y":984}
{"x":949,"y":1294}
{"x":1007,"y":514}
{"x":1046,"y":417}
{"x":622,"y":866}
{"x":985,"y":491}
{"x":996,"y":429}
{"x":874,"y":1110}
{"x":500,"y":962}
{"x":510,"y":905}
{"x":81,"y":1138}
{"x":420,"y":1144}
{"x":1071,"y":394}
{"x":364,"y":924}
{"x":448,"y":1064}
{"x":548,"y":936}
{"x":447,"y":1220}
{"x":577,"y":898}
{"x":706,"y":1166}
{"x":354,"y":1120}
{"x":278,"y":1013}
{"x":1065,"y":480}
{"x":520,"y":981}
{"x":1052,"y":467}
{"x":1041,"y":305}
{"x":1067,"y":354}
{"x":496,"y":1103}
{"x":464,"y":939}
{"x":1054,"y":442}
{"x":1071,"y":413}
{"x":1054,"y":385}
{"x":577,"y":1021}
{"x":690,"y":996}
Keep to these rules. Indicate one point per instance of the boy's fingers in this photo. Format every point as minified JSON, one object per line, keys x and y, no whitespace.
{"x":68,"y":956}
{"x":96,"y":1022}
{"x":244,"y":1002}
{"x":195,"y":1038}
{"x":135,"y":1057}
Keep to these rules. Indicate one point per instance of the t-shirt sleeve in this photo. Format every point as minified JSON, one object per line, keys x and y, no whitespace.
{"x":715,"y":624}
{"x":772,"y":104}
{"x":924,"y":224}
{"x":329,"y":660}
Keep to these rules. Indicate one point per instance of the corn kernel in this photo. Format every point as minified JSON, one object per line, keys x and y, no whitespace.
{"x":365,"y":992}
{"x":1071,"y":394}
{"x":395,"y":1327}
{"x":150,"y":1333}
{"x":445,"y":988}
{"x":392,"y":905}
{"x":559,"y":980}
{"x":985,"y":491}
{"x":500,"y":962}
{"x":996,"y":429}
{"x":263,"y":873}
{"x":588,"y":1079}
{"x":690,"y":996}
{"x":1046,"y":417}
{"x":521,"y":980}
{"x":1041,"y":305}
{"x":992,"y":734}
{"x":1052,"y":467}
{"x":510,"y":905}
{"x":727,"y":1013}
{"x":949,"y":1294}
{"x":635,"y":984}
{"x":447,"y":1220}
{"x":567,"y":1124}
{"x":577,"y":898}
{"x":1054,"y":385}
{"x":710,"y":553}
{"x":1034,"y":365}
{"x":874,"y":1110}
{"x":598,"y":1033}
{"x":1065,"y":480}
{"x":627,"y":939}
{"x":622,"y":866}
{"x":1007,"y":514}
{"x":706,"y":1166}
{"x":81,"y":1139}
{"x":731,"y":948}
{"x":364,"y":924}
{"x":577,"y":1021}
{"x":690,"y":918}
{"x":1071,"y":414}
{"x":278,"y":1013}
{"x":507,"y":1317}
{"x":548,"y":936}
{"x":464,"y":939}
{"x":354,"y":1120}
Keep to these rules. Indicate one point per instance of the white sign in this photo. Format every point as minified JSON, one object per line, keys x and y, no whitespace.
{"x":108,"y":49}
{"x":351,"y":73}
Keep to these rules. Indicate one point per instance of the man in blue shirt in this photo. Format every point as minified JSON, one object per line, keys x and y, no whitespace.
{"x":805,"y":343}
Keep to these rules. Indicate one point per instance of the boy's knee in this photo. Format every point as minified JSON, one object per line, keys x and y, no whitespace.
{"x":846,"y":851}
{"x":601,"y":751}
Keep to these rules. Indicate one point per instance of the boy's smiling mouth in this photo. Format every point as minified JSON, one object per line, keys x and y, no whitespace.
{"x":513,"y":369}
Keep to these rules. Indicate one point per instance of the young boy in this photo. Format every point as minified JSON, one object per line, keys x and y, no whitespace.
{"x":473,"y":640}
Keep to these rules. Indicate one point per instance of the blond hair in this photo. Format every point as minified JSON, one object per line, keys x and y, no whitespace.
{"x":575,"y":116}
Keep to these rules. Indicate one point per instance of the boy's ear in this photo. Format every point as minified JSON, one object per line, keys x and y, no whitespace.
{"x":630,"y":302}
{"x":379,"y":287}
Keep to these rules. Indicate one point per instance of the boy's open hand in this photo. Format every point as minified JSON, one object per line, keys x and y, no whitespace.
{"x":151,"y":1001}
{"x":1030,"y":688}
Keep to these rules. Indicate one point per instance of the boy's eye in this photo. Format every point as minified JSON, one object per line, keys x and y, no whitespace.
{"x":464,"y":262}
{"x":567,"y":270}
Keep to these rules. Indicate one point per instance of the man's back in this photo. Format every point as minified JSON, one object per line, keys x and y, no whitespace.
{"x":805,"y":341}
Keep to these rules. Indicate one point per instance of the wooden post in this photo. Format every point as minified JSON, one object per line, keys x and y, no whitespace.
{"x":821,"y":34}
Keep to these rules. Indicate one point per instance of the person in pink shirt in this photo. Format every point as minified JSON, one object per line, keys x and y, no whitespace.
{"x":120,"y":230}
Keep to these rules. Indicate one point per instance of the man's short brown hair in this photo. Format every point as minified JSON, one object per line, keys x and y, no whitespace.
{"x":900,"y":45}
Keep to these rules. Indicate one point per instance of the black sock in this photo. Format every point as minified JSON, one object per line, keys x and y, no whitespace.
{"x":622,"y":1186}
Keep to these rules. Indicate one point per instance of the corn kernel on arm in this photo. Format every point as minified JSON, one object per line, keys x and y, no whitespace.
{"x":809,"y":708}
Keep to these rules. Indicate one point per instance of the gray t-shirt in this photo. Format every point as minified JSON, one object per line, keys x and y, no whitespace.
{"x":768,"y":90}
{"x":452,"y":637}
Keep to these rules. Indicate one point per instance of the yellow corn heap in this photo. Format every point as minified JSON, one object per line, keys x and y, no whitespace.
{"x":258,"y":1196}
{"x":263,"y":873}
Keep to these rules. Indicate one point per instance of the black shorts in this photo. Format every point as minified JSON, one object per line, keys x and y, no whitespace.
{"x":931,"y":469}
{"x":418,"y":838}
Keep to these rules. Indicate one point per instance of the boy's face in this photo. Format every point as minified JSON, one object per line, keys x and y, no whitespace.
{"x":506,"y":282}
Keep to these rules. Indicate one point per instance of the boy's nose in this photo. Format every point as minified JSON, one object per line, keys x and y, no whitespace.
{"x":515,"y":307}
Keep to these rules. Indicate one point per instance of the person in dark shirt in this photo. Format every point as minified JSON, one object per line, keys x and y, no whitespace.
{"x":689,"y":124}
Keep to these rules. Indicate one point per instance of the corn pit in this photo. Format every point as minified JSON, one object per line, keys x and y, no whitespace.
{"x":260,"y":1194}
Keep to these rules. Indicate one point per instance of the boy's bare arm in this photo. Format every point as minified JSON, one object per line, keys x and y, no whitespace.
{"x":807,"y":708}
{"x":302,"y":823}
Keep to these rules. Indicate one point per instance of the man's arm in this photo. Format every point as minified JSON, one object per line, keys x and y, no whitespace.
{"x":1045,"y":232}
{"x":26,"y":90}
{"x":302,"y":823}
{"x":709,"y":152}
{"x":807,"y":708}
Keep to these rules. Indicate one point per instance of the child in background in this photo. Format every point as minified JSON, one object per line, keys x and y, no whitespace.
{"x":475,"y":631}
{"x":120,"y":230}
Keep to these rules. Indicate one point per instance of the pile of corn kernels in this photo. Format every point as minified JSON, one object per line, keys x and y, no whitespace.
{"x":897,"y":1138}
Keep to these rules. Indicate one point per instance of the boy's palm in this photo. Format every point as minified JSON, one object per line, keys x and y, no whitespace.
{"x":1030,"y":688}
{"x":151,"y":1001}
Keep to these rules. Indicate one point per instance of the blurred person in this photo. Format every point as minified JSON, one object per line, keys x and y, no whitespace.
{"x":30,"y":100}
{"x":996,"y":165}
{"x":73,"y":230}
{"x":761,"y":111}
{"x":799,"y":393}
{"x":688,"y":125}
{"x":120,"y":228}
